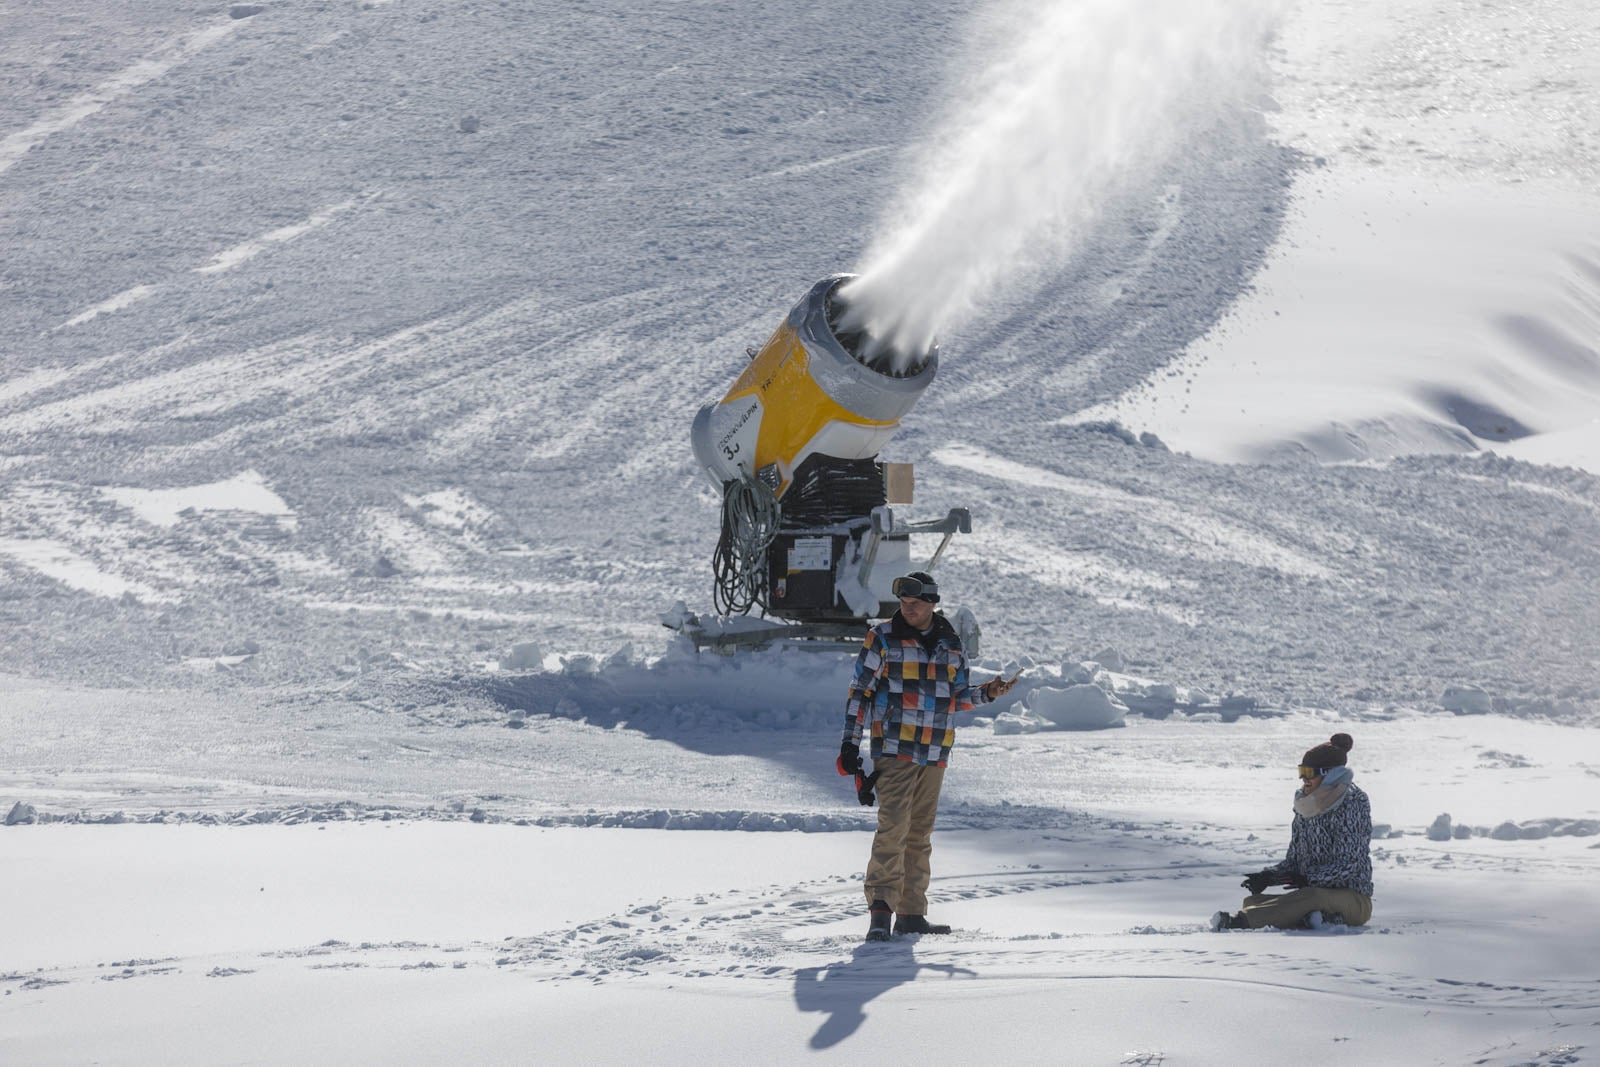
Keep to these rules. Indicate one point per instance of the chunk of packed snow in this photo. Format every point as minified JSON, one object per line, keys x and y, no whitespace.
{"x":1111,"y":659}
{"x":1465,"y":700}
{"x":524,"y":656}
{"x":1077,"y":707}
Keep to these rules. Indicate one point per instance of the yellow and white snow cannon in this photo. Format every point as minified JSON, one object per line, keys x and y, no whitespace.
{"x":809,"y":534}
{"x":805,"y":393}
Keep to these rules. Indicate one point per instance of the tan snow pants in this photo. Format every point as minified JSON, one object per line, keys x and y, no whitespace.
{"x":908,"y":800}
{"x":1285,"y":910}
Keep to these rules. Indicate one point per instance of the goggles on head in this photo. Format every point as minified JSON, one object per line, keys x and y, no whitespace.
{"x":916,"y":587}
{"x":1308,"y":773}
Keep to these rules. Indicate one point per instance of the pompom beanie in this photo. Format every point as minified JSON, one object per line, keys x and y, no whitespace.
{"x":1331,"y":753}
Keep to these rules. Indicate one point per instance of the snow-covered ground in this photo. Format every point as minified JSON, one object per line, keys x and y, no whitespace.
{"x":487,"y":944}
{"x":347,"y":358}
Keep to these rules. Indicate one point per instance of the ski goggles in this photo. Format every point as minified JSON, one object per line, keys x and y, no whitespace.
{"x":1308,"y":773}
{"x":916,"y":587}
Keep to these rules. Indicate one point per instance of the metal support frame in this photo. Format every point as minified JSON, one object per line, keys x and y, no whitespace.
{"x":959,"y":520}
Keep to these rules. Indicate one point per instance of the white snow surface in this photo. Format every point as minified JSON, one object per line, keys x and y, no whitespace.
{"x":347,"y":358}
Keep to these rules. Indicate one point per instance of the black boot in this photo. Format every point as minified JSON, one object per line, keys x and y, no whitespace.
{"x":881,"y":914}
{"x":918,"y":924}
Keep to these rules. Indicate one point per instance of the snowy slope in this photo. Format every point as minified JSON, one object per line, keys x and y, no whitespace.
{"x":284,"y":260}
{"x":1436,"y":289}
{"x":347,"y":358}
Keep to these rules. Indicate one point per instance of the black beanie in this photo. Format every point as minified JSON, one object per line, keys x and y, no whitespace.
{"x":1331,"y":753}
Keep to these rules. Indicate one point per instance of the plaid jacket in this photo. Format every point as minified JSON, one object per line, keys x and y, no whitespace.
{"x":907,"y":690}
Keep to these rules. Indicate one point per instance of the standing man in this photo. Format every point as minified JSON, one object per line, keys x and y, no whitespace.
{"x":910,"y":680}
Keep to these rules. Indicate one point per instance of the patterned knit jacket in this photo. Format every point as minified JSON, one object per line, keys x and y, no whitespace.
{"x":1331,"y":850}
{"x":907,"y":690}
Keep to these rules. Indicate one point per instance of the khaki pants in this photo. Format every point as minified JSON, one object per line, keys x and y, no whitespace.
{"x":1286,"y":910}
{"x":908,"y":800}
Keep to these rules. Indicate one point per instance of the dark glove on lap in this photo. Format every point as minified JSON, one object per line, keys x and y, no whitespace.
{"x":1258,"y":882}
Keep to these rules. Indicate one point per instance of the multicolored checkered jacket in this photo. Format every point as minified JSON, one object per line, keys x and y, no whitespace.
{"x":907,"y":690}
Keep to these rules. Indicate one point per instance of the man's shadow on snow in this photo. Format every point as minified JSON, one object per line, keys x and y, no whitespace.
{"x":842,"y":990}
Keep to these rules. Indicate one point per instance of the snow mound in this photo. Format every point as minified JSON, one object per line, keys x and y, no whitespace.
{"x":1442,"y":829}
{"x":1465,"y":700}
{"x":686,"y":692}
{"x":1077,"y":707}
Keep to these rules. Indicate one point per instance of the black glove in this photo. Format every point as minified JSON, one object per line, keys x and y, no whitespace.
{"x":1258,"y":882}
{"x":864,"y":789}
{"x":849,"y":758}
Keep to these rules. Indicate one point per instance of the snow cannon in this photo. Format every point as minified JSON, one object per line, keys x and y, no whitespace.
{"x":808,"y":392}
{"x":809,"y":534}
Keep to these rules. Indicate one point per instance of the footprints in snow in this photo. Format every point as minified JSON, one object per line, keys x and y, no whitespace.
{"x":763,"y":934}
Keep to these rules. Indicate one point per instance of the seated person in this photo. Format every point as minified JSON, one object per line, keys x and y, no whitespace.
{"x":1328,"y":869}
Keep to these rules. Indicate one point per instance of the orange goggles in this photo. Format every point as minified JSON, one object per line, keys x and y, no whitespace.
{"x":1308,"y":773}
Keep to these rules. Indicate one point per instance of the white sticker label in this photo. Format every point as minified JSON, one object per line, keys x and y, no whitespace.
{"x":736,"y":428}
{"x":811,"y":554}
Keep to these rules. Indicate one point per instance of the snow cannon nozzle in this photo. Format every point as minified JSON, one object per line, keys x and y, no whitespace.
{"x":885,"y":356}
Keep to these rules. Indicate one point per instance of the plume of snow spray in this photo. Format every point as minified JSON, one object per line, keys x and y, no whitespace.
{"x":1080,"y":98}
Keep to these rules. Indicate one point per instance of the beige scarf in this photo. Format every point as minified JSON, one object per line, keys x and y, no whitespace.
{"x":1326,"y":797}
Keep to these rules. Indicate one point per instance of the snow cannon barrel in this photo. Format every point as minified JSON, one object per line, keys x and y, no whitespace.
{"x":813,"y":389}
